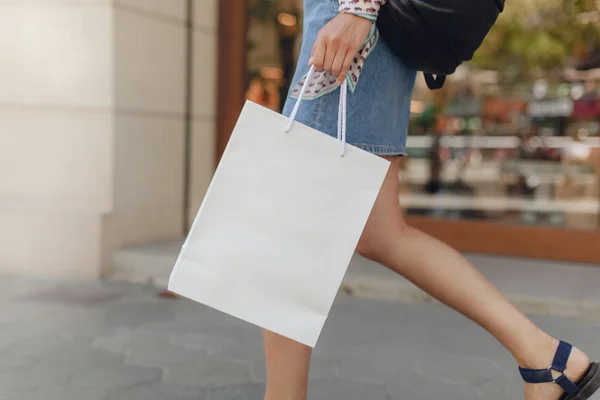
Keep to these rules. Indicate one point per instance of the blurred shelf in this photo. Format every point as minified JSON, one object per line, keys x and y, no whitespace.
{"x":492,"y":141}
{"x":547,"y":172}
{"x":457,"y":202}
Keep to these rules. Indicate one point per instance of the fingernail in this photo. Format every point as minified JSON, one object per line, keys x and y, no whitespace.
{"x":310,"y":62}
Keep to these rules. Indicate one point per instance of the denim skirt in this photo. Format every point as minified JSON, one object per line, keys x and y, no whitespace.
{"x":378,"y":100}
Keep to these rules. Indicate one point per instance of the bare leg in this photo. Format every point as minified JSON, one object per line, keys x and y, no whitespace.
{"x":287,"y":368}
{"x":446,"y":275}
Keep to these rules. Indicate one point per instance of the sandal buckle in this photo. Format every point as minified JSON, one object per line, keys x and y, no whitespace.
{"x":562,"y":373}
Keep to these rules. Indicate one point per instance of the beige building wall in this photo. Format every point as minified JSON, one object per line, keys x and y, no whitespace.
{"x":204,"y":101}
{"x":92,"y":128}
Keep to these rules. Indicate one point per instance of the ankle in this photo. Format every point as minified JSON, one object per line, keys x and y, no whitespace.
{"x":539,"y":353}
{"x":543,"y":355}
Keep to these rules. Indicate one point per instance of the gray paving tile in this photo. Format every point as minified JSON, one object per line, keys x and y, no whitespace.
{"x":131,"y":314}
{"x":84,"y":293}
{"x":90,"y":325}
{"x":12,"y":333}
{"x":81,"y":359}
{"x":440,"y":391}
{"x":207,"y":371}
{"x":16,"y":362}
{"x":247,"y":391}
{"x":196,"y":325}
{"x":69,"y":393}
{"x":60,"y":352}
{"x":347,"y":390}
{"x":138,"y":346}
{"x":319,"y":369}
{"x":250,"y":352}
{"x":43,"y":376}
{"x":501,"y":390}
{"x":450,"y":368}
{"x":35,"y":345}
{"x":193,"y":317}
{"x":14,"y":394}
{"x":149,"y":353}
{"x":159,"y":391}
{"x":124,"y":375}
{"x":382,"y":363}
{"x":198,"y":341}
{"x":117,"y":341}
{"x":8,"y":336}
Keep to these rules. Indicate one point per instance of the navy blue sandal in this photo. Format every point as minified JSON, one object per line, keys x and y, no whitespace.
{"x":582,"y":390}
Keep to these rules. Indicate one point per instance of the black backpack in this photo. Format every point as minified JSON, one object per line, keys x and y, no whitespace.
{"x":436,"y":36}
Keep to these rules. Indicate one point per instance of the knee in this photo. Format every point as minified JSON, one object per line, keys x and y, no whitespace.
{"x":377,"y":246}
{"x":368,"y":249}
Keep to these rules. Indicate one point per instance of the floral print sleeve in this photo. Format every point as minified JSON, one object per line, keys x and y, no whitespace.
{"x":324,"y":82}
{"x":363,"y":8}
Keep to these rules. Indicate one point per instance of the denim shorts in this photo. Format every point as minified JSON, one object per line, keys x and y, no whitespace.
{"x":378,"y":107}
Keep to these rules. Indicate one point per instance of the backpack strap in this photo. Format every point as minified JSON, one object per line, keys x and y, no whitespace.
{"x":436,"y":82}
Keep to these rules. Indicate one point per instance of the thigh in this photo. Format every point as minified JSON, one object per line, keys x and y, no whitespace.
{"x":386,"y":219}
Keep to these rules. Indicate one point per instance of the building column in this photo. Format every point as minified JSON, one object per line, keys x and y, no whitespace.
{"x":92,"y":128}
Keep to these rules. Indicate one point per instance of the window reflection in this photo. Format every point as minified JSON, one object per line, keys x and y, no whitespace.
{"x":513,"y":137}
{"x":531,"y":157}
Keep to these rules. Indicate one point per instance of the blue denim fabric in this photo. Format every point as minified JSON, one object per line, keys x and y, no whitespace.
{"x":378,"y":109}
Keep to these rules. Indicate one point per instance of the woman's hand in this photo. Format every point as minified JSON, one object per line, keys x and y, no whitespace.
{"x":338,"y":43}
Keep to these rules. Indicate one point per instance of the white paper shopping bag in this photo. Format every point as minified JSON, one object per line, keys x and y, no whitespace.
{"x":278,"y":225}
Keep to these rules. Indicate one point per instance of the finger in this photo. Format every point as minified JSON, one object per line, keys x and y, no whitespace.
{"x":345,"y":67}
{"x":318,"y":57}
{"x":338,"y":62}
{"x":330,"y":54}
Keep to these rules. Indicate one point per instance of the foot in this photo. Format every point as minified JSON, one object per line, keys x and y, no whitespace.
{"x":577,"y":366}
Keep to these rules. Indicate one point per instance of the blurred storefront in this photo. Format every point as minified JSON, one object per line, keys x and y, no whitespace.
{"x":115,"y":115}
{"x":492,"y":170}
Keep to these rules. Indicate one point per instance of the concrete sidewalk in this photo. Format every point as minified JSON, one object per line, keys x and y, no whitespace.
{"x":81,"y":340}
{"x":537,"y":286}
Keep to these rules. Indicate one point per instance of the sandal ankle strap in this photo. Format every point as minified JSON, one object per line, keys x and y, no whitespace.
{"x":559,"y":364}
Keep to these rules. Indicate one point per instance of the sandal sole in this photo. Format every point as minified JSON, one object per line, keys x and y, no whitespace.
{"x":589,"y":384}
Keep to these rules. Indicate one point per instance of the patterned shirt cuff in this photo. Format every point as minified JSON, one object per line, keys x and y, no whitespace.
{"x":363,"y":8}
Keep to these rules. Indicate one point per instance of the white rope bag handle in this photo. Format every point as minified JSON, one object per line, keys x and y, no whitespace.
{"x":341,"y":134}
